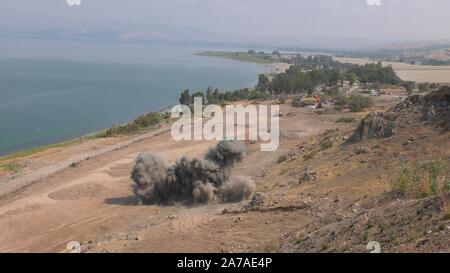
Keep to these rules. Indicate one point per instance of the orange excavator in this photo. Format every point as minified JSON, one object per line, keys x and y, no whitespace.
{"x":318,"y":101}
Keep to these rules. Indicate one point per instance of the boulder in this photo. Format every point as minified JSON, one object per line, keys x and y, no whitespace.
{"x":374,"y":125}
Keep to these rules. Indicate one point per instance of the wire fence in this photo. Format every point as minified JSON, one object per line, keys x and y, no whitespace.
{"x":14,"y":185}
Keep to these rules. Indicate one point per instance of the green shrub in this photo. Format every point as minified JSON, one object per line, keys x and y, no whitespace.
{"x":310,"y":155}
{"x":326,"y":143}
{"x":10,"y":167}
{"x":142,"y":122}
{"x":365,"y":236}
{"x":426,"y":178}
{"x":300,"y":240}
{"x":330,"y":92}
{"x":282,"y":158}
{"x":298,"y":102}
{"x":346,"y":120}
{"x":446,"y":216}
{"x":340,"y":103}
{"x":357,"y":103}
{"x":404,"y":179}
{"x":281,"y":100}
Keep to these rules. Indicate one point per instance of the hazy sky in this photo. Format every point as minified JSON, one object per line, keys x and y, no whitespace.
{"x":274,"y":21}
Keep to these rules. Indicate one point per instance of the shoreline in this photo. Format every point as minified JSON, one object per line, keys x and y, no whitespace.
{"x":69,"y":141}
{"x":19,"y":164}
{"x":276,"y":67}
{"x":164,"y":79}
{"x":10,"y":186}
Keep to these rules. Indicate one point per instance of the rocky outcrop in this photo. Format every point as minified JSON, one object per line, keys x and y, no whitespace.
{"x":434,"y":106}
{"x":374,"y":125}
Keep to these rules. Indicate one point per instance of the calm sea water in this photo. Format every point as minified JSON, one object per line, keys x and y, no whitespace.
{"x":56,"y":90}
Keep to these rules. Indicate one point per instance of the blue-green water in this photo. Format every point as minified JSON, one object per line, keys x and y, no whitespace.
{"x":44,"y":99}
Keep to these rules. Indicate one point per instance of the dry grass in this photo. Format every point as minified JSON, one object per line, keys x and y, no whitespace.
{"x":446,"y":207}
{"x":10,"y":167}
{"x":426,"y":178}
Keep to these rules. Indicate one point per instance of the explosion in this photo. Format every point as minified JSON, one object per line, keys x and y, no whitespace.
{"x":193,"y":180}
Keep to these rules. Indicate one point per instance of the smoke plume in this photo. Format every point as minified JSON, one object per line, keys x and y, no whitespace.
{"x":192,"y":180}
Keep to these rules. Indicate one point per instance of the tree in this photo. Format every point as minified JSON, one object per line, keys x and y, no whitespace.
{"x":352,"y":78}
{"x":263,"y":83}
{"x":335,"y":77}
{"x":217,"y":98}
{"x":358,"y":102}
{"x":185,"y":98}
{"x":209,"y":95}
{"x":199,"y":94}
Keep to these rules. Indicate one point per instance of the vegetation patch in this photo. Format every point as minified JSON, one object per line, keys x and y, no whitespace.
{"x":138,"y":125}
{"x":310,"y":155}
{"x":214,"y":96}
{"x":282,"y":158}
{"x":428,"y":178}
{"x":355,"y":102}
{"x":25,"y":153}
{"x":306,"y":74}
{"x":326,"y":143}
{"x":10,"y":167}
{"x":303,"y":102}
{"x":346,"y":120}
{"x":250,"y":56}
{"x":358,"y":103}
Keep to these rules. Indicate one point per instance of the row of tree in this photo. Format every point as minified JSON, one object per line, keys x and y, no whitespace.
{"x":304,"y":76}
{"x":214,"y":96}
{"x":299,"y":79}
{"x":313,"y":62}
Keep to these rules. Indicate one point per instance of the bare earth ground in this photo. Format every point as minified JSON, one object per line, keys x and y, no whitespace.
{"x":93,"y":203}
{"x":280,"y":67}
{"x":55,"y":154}
{"x":95,"y":198}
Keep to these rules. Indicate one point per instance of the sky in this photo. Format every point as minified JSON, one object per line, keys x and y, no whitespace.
{"x":282,"y":22}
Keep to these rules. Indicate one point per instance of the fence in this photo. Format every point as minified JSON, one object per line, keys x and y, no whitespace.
{"x":14,"y":185}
